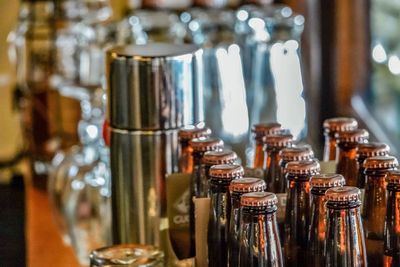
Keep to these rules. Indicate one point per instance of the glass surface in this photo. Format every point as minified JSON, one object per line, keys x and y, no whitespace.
{"x":392,"y":227}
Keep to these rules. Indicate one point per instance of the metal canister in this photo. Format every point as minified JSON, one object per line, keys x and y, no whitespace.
{"x":153,"y":90}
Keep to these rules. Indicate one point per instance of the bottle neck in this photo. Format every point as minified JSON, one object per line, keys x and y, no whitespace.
{"x":317,"y":234}
{"x":392,"y":229}
{"x":259,"y":155}
{"x":274,"y":179}
{"x":345,"y":232}
{"x":259,"y":237}
{"x":329,"y":147}
{"x":186,"y":158}
{"x":347,"y":164}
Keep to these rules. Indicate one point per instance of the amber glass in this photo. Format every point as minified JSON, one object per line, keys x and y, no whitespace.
{"x":259,"y":155}
{"x":373,"y":214}
{"x":330,"y":146}
{"x":186,"y":159}
{"x":274,"y":182}
{"x":297,"y":219}
{"x":259,"y":238}
{"x":218,"y":226}
{"x":345,"y":246}
{"x":391,"y":256}
{"x":347,"y":162}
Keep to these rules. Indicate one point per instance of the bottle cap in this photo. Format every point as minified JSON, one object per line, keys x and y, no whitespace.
{"x":146,"y":90}
{"x":225,"y":171}
{"x":310,"y":167}
{"x":327,"y":180}
{"x":248,"y":184}
{"x":297,"y":153}
{"x":191,"y":132}
{"x":345,"y":193}
{"x":393,"y":177}
{"x":380,"y":162}
{"x":353,"y":136}
{"x":372,"y":149}
{"x":127,"y":255}
{"x":204,"y":144}
{"x":219,"y":157}
{"x":262,"y":129}
{"x":259,"y":199}
{"x":340,"y":124}
{"x":278,"y":140}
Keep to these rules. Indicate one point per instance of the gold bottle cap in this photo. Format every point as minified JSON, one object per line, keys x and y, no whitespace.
{"x":340,"y":124}
{"x":310,"y":167}
{"x":191,"y":132}
{"x":225,"y":171}
{"x":354,"y":136}
{"x":297,"y":153}
{"x":327,"y":180}
{"x":247,"y":185}
{"x":278,"y":140}
{"x":259,"y":199}
{"x":345,"y":193}
{"x":219,"y":157}
{"x":263,"y":129}
{"x":393,"y":177}
{"x":203,"y":144}
{"x":372,"y":149}
{"x":127,"y":255}
{"x":380,"y":162}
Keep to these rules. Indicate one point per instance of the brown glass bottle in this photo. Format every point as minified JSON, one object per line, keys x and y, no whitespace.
{"x":295,"y":153}
{"x":298,"y":174}
{"x":319,"y":183}
{"x":391,"y":257}
{"x":200,"y":146}
{"x":273,"y":145}
{"x":259,"y":238}
{"x":331,"y":128}
{"x":374,"y":206}
{"x":347,"y":152}
{"x":218,"y":226}
{"x":365,"y":151}
{"x":237,"y":188}
{"x":185,"y":135}
{"x":345,"y":246}
{"x":259,"y":131}
{"x":210,"y":159}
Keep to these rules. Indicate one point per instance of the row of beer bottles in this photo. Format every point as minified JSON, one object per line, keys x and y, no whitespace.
{"x":209,"y":151}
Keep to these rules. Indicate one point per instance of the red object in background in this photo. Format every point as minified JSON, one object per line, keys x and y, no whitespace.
{"x":106,"y":133}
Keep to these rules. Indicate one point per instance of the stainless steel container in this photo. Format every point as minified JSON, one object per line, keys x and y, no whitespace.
{"x":153,"y":90}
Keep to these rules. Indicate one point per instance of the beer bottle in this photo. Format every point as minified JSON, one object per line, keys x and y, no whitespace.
{"x":212,"y":158}
{"x":259,"y":239}
{"x":344,"y":245}
{"x":391,"y":257}
{"x":298,"y":174}
{"x":200,"y":146}
{"x":316,"y":235}
{"x":367,"y":150}
{"x":259,"y":131}
{"x":331,"y":128}
{"x":218,"y":226}
{"x":374,"y":206}
{"x":273,"y":145}
{"x":185,"y":135}
{"x":237,"y":188}
{"x":295,"y":153}
{"x":347,"y":152}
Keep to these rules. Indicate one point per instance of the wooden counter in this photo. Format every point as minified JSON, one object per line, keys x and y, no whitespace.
{"x":44,"y":244}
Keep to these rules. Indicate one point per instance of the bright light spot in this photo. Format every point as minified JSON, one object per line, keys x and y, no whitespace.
{"x":73,"y":171}
{"x":257,"y":23}
{"x":134,"y":20}
{"x":379,"y":54}
{"x":299,"y":20}
{"x":194,"y":26}
{"x":394,"y":65}
{"x":77,"y":185}
{"x":185,"y":17}
{"x":242,"y":15}
{"x":92,"y":131}
{"x":258,"y":26}
{"x":286,"y":12}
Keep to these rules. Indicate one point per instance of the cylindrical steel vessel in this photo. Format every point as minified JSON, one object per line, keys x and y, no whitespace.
{"x":153,"y":90}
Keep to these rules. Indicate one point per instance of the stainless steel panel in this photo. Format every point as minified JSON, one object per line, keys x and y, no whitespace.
{"x":140,"y":161}
{"x":154,"y":86}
